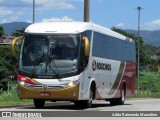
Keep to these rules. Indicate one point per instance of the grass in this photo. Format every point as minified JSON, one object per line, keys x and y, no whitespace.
{"x":8,"y":98}
{"x":145,"y":94}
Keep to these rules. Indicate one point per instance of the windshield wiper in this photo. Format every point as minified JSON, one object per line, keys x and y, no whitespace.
{"x":37,"y":64}
{"x":52,"y":60}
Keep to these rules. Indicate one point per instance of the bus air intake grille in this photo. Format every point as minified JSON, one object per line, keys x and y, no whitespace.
{"x":42,"y":87}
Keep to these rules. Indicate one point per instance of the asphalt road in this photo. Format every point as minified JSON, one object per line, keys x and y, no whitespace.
{"x":133,"y":105}
{"x":130,"y":105}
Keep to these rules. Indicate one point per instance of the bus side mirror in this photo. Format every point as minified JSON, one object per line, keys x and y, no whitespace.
{"x":86,"y":46}
{"x":13,"y":44}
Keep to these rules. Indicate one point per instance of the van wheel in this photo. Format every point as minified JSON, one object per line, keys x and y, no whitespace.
{"x":39,"y":103}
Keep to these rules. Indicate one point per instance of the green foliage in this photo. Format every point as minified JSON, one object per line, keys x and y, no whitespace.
{"x":145,"y":94}
{"x":8,"y":66}
{"x":145,"y":57}
{"x":149,"y":81}
{"x":153,"y":50}
{"x":11,"y":97}
{"x":1,"y":31}
{"x":18,"y":33}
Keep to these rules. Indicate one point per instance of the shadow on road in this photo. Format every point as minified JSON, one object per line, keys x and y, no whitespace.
{"x":68,"y":106}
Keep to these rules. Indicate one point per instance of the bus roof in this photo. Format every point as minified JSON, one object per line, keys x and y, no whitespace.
{"x":70,"y":28}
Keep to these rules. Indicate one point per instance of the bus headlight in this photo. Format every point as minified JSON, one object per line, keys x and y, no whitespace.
{"x":22,"y":83}
{"x":70,"y":84}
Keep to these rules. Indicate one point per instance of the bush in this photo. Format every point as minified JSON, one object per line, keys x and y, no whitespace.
{"x":9,"y":95}
{"x":149,"y":81}
{"x":8,"y":66}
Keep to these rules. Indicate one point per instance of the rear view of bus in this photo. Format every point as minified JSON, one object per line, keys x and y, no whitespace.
{"x":58,"y":62}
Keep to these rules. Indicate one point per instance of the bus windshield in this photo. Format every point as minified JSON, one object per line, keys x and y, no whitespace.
{"x":49,"y":54}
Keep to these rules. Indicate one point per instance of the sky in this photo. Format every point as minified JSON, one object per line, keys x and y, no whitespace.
{"x":108,"y":13}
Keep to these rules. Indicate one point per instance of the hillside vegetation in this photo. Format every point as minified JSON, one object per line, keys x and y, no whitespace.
{"x":149,"y":37}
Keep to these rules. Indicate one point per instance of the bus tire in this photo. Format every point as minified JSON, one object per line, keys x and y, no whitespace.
{"x":78,"y":103}
{"x":86,"y":103}
{"x":39,"y":103}
{"x":112,"y":101}
{"x":121,"y":100}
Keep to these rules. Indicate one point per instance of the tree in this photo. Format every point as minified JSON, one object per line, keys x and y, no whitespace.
{"x":145,"y":57}
{"x":18,"y":32}
{"x":1,"y":31}
{"x":8,"y":66}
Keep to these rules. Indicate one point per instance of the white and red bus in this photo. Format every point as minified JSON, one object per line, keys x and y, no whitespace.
{"x":77,"y":62}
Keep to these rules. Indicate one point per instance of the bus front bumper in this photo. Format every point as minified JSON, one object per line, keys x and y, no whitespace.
{"x":68,"y":94}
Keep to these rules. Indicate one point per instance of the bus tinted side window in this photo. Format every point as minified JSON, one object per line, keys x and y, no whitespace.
{"x":105,"y":46}
{"x":97,"y":42}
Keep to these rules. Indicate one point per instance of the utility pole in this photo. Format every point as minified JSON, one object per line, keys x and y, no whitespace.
{"x":138,"y":59}
{"x":86,"y":10}
{"x":33,"y":11}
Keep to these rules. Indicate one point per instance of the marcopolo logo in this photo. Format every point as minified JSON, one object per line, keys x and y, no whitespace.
{"x":100,"y":66}
{"x":94,"y":65}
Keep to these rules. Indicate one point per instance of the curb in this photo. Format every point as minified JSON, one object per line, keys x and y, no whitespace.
{"x":15,"y":106}
{"x":32,"y":105}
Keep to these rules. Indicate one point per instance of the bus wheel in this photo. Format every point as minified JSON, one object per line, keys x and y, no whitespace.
{"x":112,"y":101}
{"x":121,"y":100}
{"x":39,"y":103}
{"x":88,"y":103}
{"x":78,"y":103}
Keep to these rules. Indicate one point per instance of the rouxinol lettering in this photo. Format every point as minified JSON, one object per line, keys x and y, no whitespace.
{"x":103,"y":66}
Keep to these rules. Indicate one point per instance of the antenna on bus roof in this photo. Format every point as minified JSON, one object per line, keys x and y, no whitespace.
{"x":86,"y":10}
